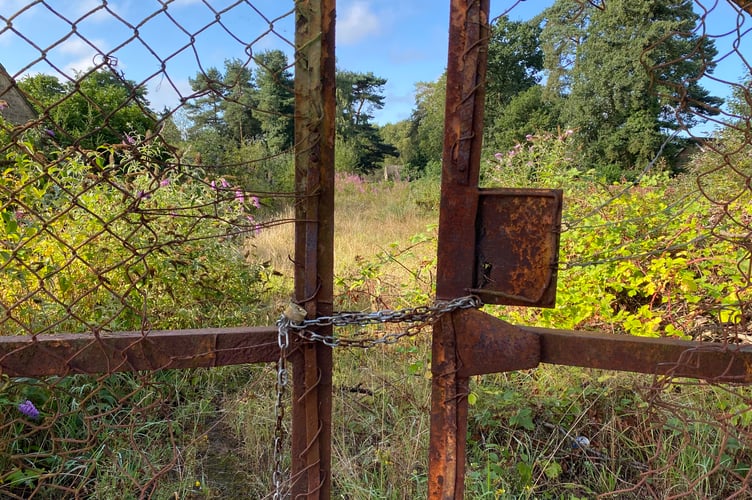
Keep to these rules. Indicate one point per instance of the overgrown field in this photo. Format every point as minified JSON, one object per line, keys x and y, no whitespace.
{"x":652,"y":258}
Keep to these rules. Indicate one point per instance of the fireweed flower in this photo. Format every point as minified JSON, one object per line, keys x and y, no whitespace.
{"x":224,"y":183}
{"x":255,"y":201}
{"x":239,"y":196}
{"x":28,"y":409}
{"x":164,"y":182}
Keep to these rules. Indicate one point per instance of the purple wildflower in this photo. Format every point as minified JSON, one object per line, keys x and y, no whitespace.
{"x":255,"y":201}
{"x":129,"y":140}
{"x":213,"y":185}
{"x":164,"y":182}
{"x":49,"y":132}
{"x":224,"y":183}
{"x":529,"y":137}
{"x":499,"y":156}
{"x":239,"y":196}
{"x":28,"y":409}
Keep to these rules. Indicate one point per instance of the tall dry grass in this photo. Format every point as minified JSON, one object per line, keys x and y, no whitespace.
{"x":369,"y":217}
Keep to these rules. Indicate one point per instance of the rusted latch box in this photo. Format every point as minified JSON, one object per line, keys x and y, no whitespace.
{"x":517,"y":246}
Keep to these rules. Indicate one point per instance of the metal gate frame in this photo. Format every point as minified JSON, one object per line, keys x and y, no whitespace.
{"x":465,"y":343}
{"x":470,"y":342}
{"x":100,"y":352}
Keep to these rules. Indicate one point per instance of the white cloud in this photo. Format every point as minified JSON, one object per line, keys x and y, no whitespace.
{"x":80,"y":55}
{"x":162,"y":94}
{"x":357,"y":22}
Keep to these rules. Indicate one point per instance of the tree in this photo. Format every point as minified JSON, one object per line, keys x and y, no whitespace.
{"x":205,"y":110}
{"x":515,"y":105}
{"x":239,"y":100}
{"x":276,"y":99}
{"x":97,"y":108}
{"x":222,"y":113}
{"x":427,"y":128}
{"x":358,"y":95}
{"x":515,"y":60}
{"x":628,"y":75}
{"x":529,"y":112}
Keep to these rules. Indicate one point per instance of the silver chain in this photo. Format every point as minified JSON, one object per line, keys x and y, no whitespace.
{"x":283,"y":339}
{"x":293,"y":320}
{"x":418,"y":317}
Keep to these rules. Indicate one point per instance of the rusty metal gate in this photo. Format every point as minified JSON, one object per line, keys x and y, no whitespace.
{"x":499,"y":245}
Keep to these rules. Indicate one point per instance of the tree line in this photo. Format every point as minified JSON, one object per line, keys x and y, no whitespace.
{"x":623,"y":78}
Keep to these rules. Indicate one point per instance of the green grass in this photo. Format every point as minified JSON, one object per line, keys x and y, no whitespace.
{"x":214,"y":429}
{"x":648,"y":437}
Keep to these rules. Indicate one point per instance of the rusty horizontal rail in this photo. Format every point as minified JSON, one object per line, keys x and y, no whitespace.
{"x":712,"y":361}
{"x":486,"y":344}
{"x":68,"y":354}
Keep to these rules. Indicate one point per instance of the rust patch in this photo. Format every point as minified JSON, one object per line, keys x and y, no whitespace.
{"x":517,"y":246}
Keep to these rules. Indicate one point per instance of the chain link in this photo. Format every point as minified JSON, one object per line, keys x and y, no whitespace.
{"x":283,"y":339}
{"x":419,"y":317}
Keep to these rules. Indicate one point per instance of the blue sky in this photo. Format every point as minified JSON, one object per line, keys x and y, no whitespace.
{"x":403,"y":41}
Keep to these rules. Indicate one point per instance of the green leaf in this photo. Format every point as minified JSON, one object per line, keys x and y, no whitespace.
{"x":523,"y":418}
{"x":552,"y":470}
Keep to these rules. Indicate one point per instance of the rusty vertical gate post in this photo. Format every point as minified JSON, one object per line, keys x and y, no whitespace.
{"x":463,"y":128}
{"x":314,"y":243}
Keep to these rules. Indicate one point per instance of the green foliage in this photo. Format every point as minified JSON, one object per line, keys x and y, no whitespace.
{"x":527,"y":112}
{"x":275,"y":99}
{"x":67,"y":266}
{"x":635,"y":256}
{"x":358,"y":95}
{"x":427,"y":127}
{"x":97,"y":108}
{"x":514,"y":104}
{"x":624,"y":72}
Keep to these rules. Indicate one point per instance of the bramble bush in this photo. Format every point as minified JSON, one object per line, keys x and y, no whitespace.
{"x":89,"y":245}
{"x":117,"y":239}
{"x":636,"y":256}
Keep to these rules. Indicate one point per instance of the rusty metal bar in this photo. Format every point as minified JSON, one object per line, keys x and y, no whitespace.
{"x":68,"y":354}
{"x":314,"y":242}
{"x":486,"y":344}
{"x":681,"y":358}
{"x":463,"y":126}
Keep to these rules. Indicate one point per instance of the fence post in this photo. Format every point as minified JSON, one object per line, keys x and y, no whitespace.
{"x":314,"y":243}
{"x":463,"y":131}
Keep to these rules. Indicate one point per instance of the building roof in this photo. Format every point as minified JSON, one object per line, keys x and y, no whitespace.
{"x":13,"y":104}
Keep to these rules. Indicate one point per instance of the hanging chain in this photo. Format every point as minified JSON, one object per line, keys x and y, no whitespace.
{"x":283,"y":339}
{"x":293,"y":320}
{"x":419,"y":317}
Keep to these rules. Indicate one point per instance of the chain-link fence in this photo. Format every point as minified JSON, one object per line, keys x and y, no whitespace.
{"x":667,"y":239}
{"x":143,"y":147}
{"x":146,"y":151}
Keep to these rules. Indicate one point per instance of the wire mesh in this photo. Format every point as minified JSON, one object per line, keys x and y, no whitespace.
{"x":125,"y":182}
{"x":669,"y":240}
{"x":143,"y":148}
